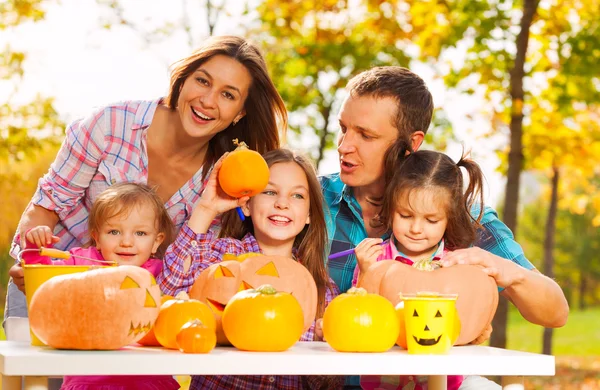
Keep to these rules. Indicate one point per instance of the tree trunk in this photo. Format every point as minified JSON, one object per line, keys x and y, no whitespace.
{"x":515,"y":156}
{"x":582,"y":290}
{"x":325,"y":112}
{"x":549,"y":250}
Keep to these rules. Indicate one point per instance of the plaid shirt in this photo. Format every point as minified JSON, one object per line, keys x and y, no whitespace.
{"x":346,"y":229}
{"x":104,"y":148}
{"x":185,"y":259}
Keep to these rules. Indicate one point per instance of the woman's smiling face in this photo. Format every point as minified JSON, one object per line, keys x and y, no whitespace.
{"x":213,"y":96}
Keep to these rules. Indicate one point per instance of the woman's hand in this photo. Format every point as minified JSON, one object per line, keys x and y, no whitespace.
{"x":213,"y":202}
{"x":16,"y":273}
{"x":504,"y":271}
{"x":367,"y":253}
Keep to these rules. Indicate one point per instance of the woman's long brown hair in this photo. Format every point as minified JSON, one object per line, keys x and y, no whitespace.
{"x":312,"y":240}
{"x":265,"y":115}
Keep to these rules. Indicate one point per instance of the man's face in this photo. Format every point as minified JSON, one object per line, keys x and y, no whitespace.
{"x":366,"y":132}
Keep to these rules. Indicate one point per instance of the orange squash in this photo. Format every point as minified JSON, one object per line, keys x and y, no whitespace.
{"x":195,"y":337}
{"x":175,"y":313}
{"x":217,"y":284}
{"x":244,"y":172}
{"x":149,"y":339}
{"x":263,"y":320}
{"x":357,"y":321}
{"x":104,"y":309}
{"x":477,"y":292}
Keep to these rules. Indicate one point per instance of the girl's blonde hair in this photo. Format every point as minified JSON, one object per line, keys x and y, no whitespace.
{"x":119,"y":199}
{"x":312,"y":240}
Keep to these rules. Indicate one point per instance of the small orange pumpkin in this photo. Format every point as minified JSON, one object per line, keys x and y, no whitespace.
{"x":477,"y":292}
{"x":263,"y":320}
{"x":195,"y":337}
{"x":218,"y":283}
{"x":149,"y":339}
{"x":244,"y":172}
{"x":175,"y":313}
{"x":357,"y":321}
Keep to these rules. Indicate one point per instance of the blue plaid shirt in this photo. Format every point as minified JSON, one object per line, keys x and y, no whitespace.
{"x":346,"y":229}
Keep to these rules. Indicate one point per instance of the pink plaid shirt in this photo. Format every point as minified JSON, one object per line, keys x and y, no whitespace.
{"x":104,"y":148}
{"x":409,"y":382}
{"x":203,"y":250}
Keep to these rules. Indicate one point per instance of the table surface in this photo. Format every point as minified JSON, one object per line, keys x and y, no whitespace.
{"x":305,"y":358}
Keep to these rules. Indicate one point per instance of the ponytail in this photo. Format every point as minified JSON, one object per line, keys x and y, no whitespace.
{"x":474,"y":191}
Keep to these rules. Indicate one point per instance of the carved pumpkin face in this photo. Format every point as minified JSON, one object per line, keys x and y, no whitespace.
{"x":431,"y":323}
{"x":217,"y":284}
{"x":98,"y":309}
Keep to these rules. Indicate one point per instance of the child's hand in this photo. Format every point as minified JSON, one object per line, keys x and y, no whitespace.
{"x":41,"y":236}
{"x":319,"y":329}
{"x":214,"y":201}
{"x":367,"y":253}
{"x":487,"y":332}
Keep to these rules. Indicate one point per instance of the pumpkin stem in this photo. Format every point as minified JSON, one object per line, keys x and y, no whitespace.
{"x":267,"y":289}
{"x":357,"y":291}
{"x":240,"y":145}
{"x":182,"y":295}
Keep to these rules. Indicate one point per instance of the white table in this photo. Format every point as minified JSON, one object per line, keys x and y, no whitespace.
{"x":19,"y":359}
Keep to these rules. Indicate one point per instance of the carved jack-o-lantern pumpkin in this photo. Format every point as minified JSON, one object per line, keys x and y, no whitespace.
{"x":430,"y":321}
{"x":97,"y":309}
{"x":219,"y":282}
{"x":477,"y":292}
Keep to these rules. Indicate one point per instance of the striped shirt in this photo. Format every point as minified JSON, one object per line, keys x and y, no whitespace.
{"x":346,"y":229}
{"x":107,"y":147}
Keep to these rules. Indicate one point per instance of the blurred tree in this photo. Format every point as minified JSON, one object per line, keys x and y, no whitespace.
{"x":313,"y":48}
{"x":481,"y":48}
{"x":29,"y":133}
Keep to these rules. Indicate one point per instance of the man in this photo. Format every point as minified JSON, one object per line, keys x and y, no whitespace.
{"x":384,"y":106}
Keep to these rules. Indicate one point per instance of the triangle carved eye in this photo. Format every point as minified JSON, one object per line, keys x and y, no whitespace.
{"x":415,"y":314}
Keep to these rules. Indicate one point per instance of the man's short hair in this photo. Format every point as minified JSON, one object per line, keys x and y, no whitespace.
{"x":415,"y":103}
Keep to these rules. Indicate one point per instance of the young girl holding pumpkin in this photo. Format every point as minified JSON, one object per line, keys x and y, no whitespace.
{"x":285,"y":219}
{"x":428,"y":212}
{"x":128,"y":225}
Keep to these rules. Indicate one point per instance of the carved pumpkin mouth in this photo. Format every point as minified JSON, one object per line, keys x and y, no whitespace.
{"x":428,"y":342}
{"x":135,"y":330}
{"x":215,"y":306}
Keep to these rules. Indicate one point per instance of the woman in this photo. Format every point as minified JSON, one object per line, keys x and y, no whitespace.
{"x":220,"y":92}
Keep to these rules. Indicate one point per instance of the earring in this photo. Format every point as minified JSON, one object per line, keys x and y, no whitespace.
{"x":235,"y":121}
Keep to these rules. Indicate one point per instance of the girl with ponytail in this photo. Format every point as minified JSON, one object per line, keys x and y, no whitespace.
{"x":430,"y":213}
{"x":427,"y":208}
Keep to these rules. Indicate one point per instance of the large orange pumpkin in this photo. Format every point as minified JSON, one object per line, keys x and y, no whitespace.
{"x":219,"y":282}
{"x":263,"y":319}
{"x":177,"y":312}
{"x":477,"y":292}
{"x":357,"y":321}
{"x":106,"y":308}
{"x":244,"y":172}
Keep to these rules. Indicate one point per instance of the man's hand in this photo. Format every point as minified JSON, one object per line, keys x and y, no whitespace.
{"x":504,"y":271}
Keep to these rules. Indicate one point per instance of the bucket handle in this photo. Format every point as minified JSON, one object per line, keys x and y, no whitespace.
{"x":58,"y":254}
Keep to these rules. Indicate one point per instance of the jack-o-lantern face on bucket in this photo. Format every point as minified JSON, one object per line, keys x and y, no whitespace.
{"x":218,"y":283}
{"x":431,"y":323}
{"x":98,"y":309}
